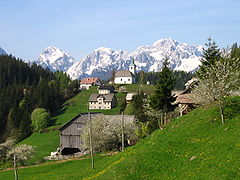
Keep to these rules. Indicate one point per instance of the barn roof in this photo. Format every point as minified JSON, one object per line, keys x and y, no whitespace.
{"x":106,"y":97}
{"x":123,"y":74}
{"x":184,"y":99}
{"x":88,"y":80}
{"x":73,"y":119}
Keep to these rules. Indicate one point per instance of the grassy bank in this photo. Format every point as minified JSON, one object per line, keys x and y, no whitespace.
{"x":195,"y":146}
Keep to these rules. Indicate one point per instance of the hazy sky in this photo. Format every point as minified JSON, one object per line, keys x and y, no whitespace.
{"x":80,"y":26}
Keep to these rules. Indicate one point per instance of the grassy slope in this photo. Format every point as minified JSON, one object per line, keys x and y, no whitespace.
{"x":48,"y":142}
{"x":214,"y":149}
{"x":148,"y":89}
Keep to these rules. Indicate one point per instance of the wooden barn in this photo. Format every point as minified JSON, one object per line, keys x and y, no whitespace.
{"x":70,"y":141}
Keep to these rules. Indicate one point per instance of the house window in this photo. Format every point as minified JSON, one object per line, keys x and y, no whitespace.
{"x":121,"y":79}
{"x":131,"y":67}
{"x":129,"y":79}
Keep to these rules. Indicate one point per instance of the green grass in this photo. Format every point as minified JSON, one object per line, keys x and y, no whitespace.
{"x":195,"y":146}
{"x":148,"y":89}
{"x":47,"y":142}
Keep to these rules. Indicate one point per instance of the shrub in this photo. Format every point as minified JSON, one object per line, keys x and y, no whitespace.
{"x":40,"y":118}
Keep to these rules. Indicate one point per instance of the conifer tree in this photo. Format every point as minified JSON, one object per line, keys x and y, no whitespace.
{"x":211,"y":54}
{"x":162,"y":98}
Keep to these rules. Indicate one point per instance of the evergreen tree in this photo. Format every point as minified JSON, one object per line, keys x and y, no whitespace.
{"x":211,"y":54}
{"x":162,"y":98}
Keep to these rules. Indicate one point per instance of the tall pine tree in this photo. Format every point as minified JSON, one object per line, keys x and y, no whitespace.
{"x":211,"y":54}
{"x":162,"y":98}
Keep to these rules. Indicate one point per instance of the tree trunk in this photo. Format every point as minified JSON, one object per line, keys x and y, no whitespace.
{"x":122,"y":127}
{"x":221,"y":112}
{"x":90,"y":139}
{"x":15,"y":166}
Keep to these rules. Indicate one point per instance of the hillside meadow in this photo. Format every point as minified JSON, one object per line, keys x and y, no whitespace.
{"x":195,"y":146}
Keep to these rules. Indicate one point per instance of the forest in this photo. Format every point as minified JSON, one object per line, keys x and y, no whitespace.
{"x":24,"y":87}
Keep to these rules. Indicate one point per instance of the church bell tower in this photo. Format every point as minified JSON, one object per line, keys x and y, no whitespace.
{"x":132,"y":66}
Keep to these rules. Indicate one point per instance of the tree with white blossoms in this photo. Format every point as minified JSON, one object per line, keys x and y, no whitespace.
{"x":106,"y":132}
{"x":219,"y":80}
{"x":19,"y":153}
{"x":5,"y":147}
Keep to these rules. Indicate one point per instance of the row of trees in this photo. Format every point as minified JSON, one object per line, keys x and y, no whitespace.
{"x":181,"y":77}
{"x":24,"y":87}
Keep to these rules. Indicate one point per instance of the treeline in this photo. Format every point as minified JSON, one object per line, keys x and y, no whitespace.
{"x":24,"y":87}
{"x":181,"y":78}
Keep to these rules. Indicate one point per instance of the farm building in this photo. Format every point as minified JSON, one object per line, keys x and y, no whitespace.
{"x":70,"y":133}
{"x":184,"y":99}
{"x":102,"y":101}
{"x":86,"y":83}
{"x":106,"y":89}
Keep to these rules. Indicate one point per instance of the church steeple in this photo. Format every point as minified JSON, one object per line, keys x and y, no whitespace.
{"x":132,"y":66}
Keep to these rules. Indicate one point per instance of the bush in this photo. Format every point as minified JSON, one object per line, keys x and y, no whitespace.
{"x":40,"y":118}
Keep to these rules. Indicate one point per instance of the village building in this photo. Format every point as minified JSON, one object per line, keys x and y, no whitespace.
{"x":184,"y":99}
{"x":124,"y":76}
{"x":70,"y":133}
{"x":106,"y":89}
{"x":86,"y":83}
{"x":102,"y":101}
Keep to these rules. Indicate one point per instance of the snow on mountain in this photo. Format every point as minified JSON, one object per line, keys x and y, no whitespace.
{"x":102,"y":61}
{"x":2,"y":52}
{"x":99,"y":63}
{"x":181,"y":55}
{"x":55,"y":59}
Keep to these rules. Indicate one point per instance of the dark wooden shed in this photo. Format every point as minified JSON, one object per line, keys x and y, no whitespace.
{"x":70,"y":141}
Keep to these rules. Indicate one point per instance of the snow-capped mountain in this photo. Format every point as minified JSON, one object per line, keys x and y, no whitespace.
{"x":2,"y":52}
{"x":55,"y":59}
{"x":101,"y":62}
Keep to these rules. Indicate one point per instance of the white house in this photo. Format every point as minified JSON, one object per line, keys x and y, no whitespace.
{"x":126,"y":77}
{"x":102,"y":101}
{"x":86,"y":83}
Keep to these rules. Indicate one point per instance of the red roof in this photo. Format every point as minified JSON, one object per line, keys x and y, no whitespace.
{"x":184,"y":99}
{"x":88,"y":80}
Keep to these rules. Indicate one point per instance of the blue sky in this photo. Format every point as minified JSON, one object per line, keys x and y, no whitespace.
{"x":80,"y":26}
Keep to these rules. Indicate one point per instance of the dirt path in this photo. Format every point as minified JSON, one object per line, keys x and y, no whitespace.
{"x":59,"y":161}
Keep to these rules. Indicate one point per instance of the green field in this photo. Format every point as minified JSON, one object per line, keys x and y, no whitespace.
{"x":48,"y":141}
{"x":195,"y":146}
{"x":148,"y":89}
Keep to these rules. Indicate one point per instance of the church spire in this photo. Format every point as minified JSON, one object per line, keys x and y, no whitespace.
{"x":132,"y":66}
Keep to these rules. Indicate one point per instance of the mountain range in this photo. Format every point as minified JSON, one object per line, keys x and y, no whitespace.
{"x":102,"y":61}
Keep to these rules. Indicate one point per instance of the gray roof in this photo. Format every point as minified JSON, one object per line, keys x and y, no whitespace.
{"x":123,"y":74}
{"x":111,"y":88}
{"x":106,"y":97}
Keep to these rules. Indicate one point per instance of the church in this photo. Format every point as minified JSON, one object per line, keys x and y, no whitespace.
{"x":126,"y":77}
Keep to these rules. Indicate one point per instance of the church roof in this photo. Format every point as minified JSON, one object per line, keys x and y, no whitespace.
{"x":132,"y":62}
{"x":123,"y":74}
